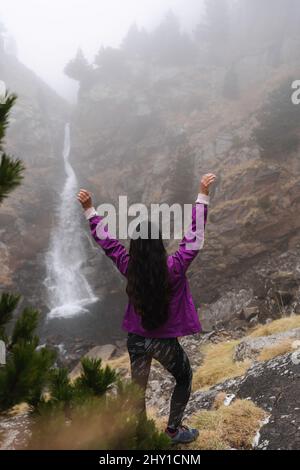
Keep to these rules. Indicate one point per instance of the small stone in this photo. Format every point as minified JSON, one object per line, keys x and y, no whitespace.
{"x":250,"y":312}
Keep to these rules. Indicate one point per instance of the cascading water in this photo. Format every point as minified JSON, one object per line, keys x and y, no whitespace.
{"x":68,"y":290}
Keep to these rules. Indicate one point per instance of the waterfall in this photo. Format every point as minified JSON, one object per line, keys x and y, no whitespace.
{"x":68,"y":290}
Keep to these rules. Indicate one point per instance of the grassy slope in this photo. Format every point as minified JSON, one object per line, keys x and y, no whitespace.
{"x":234,"y":426}
{"x":218,"y":364}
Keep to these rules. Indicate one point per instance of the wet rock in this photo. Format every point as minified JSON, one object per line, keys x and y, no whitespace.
{"x":15,"y":427}
{"x":274,"y":386}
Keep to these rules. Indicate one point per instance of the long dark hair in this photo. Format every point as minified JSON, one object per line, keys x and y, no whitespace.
{"x":148,"y":285}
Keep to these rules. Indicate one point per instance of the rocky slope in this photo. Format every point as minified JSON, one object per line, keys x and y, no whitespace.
{"x":35,"y":136}
{"x":271,"y":384}
{"x":151,"y":136}
{"x":268,"y":388}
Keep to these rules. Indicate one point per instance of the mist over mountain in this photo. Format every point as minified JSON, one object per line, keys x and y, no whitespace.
{"x":154,"y":112}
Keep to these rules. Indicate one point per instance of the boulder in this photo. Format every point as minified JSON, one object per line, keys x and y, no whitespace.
{"x":104,"y":353}
{"x":273,"y":386}
{"x":250,"y":312}
{"x":249,"y":348}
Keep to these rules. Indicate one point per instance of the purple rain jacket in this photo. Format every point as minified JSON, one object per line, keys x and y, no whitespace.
{"x":183,"y":318}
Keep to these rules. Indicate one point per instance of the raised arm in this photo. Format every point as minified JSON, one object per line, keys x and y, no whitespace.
{"x":99,"y":230}
{"x":186,"y":252}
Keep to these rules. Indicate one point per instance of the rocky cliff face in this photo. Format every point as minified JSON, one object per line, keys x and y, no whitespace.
{"x":35,"y":136}
{"x":152,"y":135}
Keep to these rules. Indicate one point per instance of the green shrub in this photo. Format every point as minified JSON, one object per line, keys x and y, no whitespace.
{"x":95,"y":378}
{"x":26,"y":372}
{"x":8,"y":303}
{"x":110,"y":421}
{"x":24,"y":376}
{"x":25,"y":327}
{"x":60,"y":387}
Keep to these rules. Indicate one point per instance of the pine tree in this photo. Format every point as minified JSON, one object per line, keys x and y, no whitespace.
{"x":94,"y":378}
{"x":214,"y":31}
{"x":25,"y":375}
{"x":60,"y":387}
{"x":112,"y":64}
{"x":110,"y":421}
{"x":78,"y":68}
{"x":182,"y":174}
{"x":278,"y":131}
{"x":8,"y":303}
{"x":11,"y":170}
{"x":169,"y":46}
{"x":263,"y":25}
{"x":26,"y":371}
{"x":25,"y":326}
{"x":136,"y":42}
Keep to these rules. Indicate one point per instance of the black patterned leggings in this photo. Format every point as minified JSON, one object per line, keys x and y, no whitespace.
{"x":172,"y":357}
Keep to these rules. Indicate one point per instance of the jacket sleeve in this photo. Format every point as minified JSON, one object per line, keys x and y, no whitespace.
{"x":186,"y":252}
{"x":111,"y":246}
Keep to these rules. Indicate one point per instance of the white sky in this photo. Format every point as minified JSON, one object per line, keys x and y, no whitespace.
{"x":49,"y":32}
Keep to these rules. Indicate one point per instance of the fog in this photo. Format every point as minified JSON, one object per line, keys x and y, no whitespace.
{"x":137,"y":101}
{"x":48,"y":33}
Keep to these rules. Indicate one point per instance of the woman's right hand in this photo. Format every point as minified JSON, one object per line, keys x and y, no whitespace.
{"x":205,"y":183}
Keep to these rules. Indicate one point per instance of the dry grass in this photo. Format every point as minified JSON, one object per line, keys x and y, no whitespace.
{"x":233,"y":203}
{"x":218,"y":365}
{"x":277,"y":326}
{"x":277,"y":350}
{"x":229,"y":427}
{"x":19,"y":409}
{"x":121,"y":362}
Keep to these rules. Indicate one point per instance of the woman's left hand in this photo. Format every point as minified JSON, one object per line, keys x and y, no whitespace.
{"x":85,"y":199}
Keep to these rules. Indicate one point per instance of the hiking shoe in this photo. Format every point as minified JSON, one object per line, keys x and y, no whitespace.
{"x":182,"y":435}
